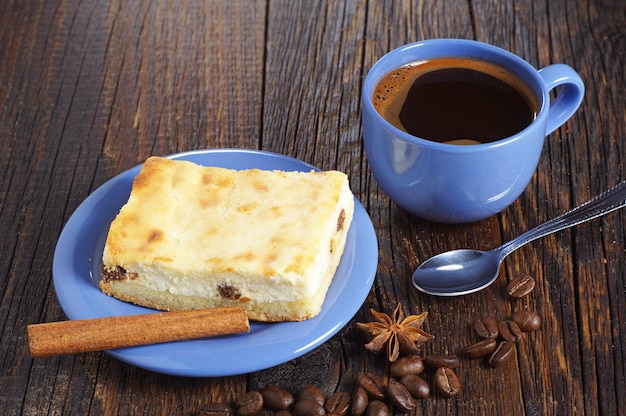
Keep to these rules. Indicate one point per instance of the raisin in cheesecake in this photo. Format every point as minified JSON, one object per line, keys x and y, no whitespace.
{"x":194,"y":237}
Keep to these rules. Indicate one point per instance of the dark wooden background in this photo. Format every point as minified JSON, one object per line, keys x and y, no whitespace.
{"x":91,"y":88}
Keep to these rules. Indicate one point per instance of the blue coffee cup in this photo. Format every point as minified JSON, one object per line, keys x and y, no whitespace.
{"x":457,"y":184}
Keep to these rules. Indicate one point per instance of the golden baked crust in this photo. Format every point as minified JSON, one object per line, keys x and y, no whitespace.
{"x":194,"y":237}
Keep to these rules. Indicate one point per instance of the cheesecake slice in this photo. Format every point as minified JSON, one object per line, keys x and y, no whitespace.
{"x":194,"y":237}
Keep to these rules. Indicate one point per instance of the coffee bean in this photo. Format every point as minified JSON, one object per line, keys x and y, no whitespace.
{"x":338,"y":403}
{"x":447,"y":382}
{"x":359,"y":401}
{"x":480,"y":349}
{"x":282,"y":413}
{"x":277,"y":398}
{"x":417,"y":386}
{"x":215,"y":409}
{"x":436,"y":361}
{"x":308,"y":407}
{"x":373,"y":385}
{"x":521,"y":286}
{"x":400,"y":396}
{"x":526,"y":320}
{"x":410,"y":364}
{"x":249,"y":404}
{"x":377,"y":408}
{"x":313,"y":393}
{"x":510,"y":331}
{"x":486,"y":328}
{"x":503,"y":351}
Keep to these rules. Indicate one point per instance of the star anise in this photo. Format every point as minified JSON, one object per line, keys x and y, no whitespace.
{"x":397,"y":333}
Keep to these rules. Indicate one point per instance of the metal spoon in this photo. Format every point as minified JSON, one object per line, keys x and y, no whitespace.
{"x":459,"y":272}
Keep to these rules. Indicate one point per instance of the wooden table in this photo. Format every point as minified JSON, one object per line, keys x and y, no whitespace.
{"x":90,"y":89}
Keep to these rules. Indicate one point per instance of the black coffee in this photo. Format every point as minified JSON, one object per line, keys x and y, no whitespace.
{"x":457,"y":101}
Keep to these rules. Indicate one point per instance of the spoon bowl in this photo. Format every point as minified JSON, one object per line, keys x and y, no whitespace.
{"x":459,"y":272}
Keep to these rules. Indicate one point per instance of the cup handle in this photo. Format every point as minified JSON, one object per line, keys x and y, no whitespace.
{"x":568,"y":99}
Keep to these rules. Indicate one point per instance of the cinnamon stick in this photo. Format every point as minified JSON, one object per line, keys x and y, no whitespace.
{"x":70,"y":337}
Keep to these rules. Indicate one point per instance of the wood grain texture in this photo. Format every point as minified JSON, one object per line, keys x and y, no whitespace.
{"x":89,"y":89}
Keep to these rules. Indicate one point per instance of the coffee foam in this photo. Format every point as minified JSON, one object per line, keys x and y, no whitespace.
{"x":391,"y":92}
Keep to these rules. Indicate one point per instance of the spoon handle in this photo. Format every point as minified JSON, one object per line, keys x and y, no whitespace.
{"x":602,"y":204}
